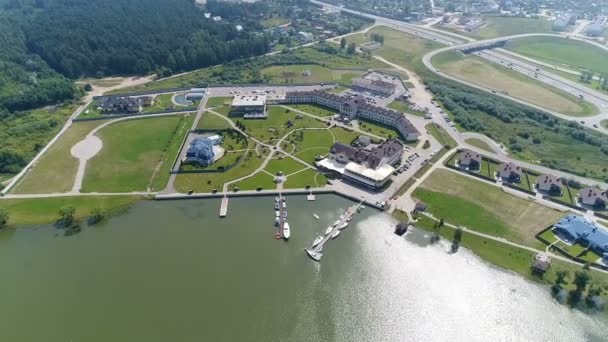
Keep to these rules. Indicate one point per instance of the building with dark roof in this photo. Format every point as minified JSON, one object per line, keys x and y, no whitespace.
{"x":593,"y":197}
{"x":356,"y":107}
{"x":549,"y":183}
{"x":578,"y":229}
{"x":510,"y":172}
{"x":469,"y":159}
{"x":596,"y":28}
{"x":375,"y":86}
{"x":124,"y":104}
{"x":201,"y":150}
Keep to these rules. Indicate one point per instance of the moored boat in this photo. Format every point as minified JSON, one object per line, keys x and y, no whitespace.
{"x":276,"y":221}
{"x":286,"y":230}
{"x":284,"y":214}
{"x":316,"y":256}
{"x":276,"y":206}
{"x":284,"y":205}
{"x":315,"y":216}
{"x":277,"y":213}
{"x":317,"y":241}
{"x":343,"y":225}
{"x":335,"y":223}
{"x":328,"y":230}
{"x":335,"y":234}
{"x":277,"y":199}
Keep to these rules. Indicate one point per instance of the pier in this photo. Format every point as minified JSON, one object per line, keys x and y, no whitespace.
{"x":316,"y":252}
{"x":224,"y":206}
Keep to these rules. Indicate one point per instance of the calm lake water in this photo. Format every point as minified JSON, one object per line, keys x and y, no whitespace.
{"x":174,"y":271}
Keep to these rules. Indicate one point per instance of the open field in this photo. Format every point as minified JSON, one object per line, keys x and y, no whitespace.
{"x":305,"y":178}
{"x":260,"y":179}
{"x":35,"y":211}
{"x":314,"y":109}
{"x":128,"y":161}
{"x":310,"y":143}
{"x":507,"y":257}
{"x":480,"y":144}
{"x":276,"y":125}
{"x":501,"y":79}
{"x":295,"y":74}
{"x":508,"y":26}
{"x":208,"y":182}
{"x":212,"y":121}
{"x":399,"y":47}
{"x":56,"y":170}
{"x":564,"y":52}
{"x":287,"y":165}
{"x":483,"y":207}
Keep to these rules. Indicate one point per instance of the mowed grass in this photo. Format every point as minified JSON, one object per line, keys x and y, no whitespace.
{"x":401,"y":106}
{"x":508,"y":26}
{"x":260,"y":179}
{"x":480,"y":144}
{"x":310,"y":143}
{"x":344,"y":135}
{"x":318,"y":73}
{"x":565,"y":52}
{"x":132,"y":150}
{"x":56,"y":169}
{"x":207,"y":182}
{"x":314,"y":109}
{"x":483,"y":207}
{"x":218,"y":101}
{"x":379,"y":129}
{"x":23,"y":212}
{"x":501,"y":79}
{"x":275,"y":126}
{"x":305,"y":178}
{"x":287,"y":165}
{"x":401,"y":48}
{"x":212,"y":121}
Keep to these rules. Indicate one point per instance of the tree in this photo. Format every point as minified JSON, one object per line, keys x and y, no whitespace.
{"x":581,"y":279}
{"x":343,"y":43}
{"x":97,"y":216}
{"x":351,"y":48}
{"x":88,"y":87}
{"x":3,"y":218}
{"x":66,"y":215}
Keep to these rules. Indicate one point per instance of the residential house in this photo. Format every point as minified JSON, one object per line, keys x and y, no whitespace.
{"x":593,"y":197}
{"x":201,"y":150}
{"x":510,"y":172}
{"x":542,"y":262}
{"x":469,"y":159}
{"x":124,"y":104}
{"x":578,"y":229}
{"x":549,"y":183}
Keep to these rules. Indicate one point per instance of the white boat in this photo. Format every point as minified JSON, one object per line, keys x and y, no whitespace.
{"x":335,"y":234}
{"x":276,"y":206}
{"x":276,"y":221}
{"x":284,"y":205}
{"x":349,"y":218}
{"x":343,"y":225}
{"x":277,"y":199}
{"x":314,"y":255}
{"x":286,"y":231}
{"x":328,"y":230}
{"x":315,"y":216}
{"x":335,"y":223}
{"x":317,"y":241}
{"x":277,"y":213}
{"x":284,"y":214}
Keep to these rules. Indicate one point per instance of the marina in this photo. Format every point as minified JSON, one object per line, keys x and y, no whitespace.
{"x":315,"y":252}
{"x":224,"y":207}
{"x":283,"y":230}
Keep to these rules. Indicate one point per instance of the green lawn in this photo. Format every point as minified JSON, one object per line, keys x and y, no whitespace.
{"x":569,"y":53}
{"x":401,"y":106}
{"x":208,"y":182}
{"x":128,"y":161}
{"x":378,"y":129}
{"x":440,"y":135}
{"x":218,"y":101}
{"x":314,"y":109}
{"x":260,"y":179}
{"x":160,"y":103}
{"x":287,"y":165}
{"x":296,"y":74}
{"x":275,"y":126}
{"x":305,"y":178}
{"x":310,"y":143}
{"x":480,"y":144}
{"x":508,"y":26}
{"x":401,"y":48}
{"x":501,"y":79}
{"x":343,"y":135}
{"x":45,"y":210}
{"x":56,"y":170}
{"x":212,"y":121}
{"x":484,"y":207}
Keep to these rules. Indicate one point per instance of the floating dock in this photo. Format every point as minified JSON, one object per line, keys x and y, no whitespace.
{"x":310,"y":197}
{"x":282,"y":210}
{"x":224,"y":206}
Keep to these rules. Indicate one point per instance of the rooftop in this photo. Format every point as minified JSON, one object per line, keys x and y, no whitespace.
{"x":249,"y":100}
{"x":580,"y":227}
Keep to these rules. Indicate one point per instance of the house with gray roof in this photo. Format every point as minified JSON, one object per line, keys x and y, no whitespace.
{"x":510,"y":172}
{"x":578,"y":229}
{"x":593,"y":197}
{"x":469,"y":159}
{"x":549,"y":183}
{"x":123,"y":104}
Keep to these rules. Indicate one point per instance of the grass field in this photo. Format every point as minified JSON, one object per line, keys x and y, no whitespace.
{"x":305,"y":178}
{"x":310,"y":143}
{"x":218,"y":101}
{"x":128,"y":161}
{"x":295,"y":74}
{"x":287,"y":165}
{"x":210,"y":181}
{"x":604,"y":123}
{"x":343,"y":135}
{"x":480,"y":144}
{"x":160,"y":103}
{"x":570,"y":53}
{"x":275,"y":126}
{"x":440,"y":135}
{"x":212,"y":121}
{"x":401,"y":48}
{"x":401,"y":106}
{"x":501,"y":79}
{"x":35,"y":211}
{"x":314,"y":109}
{"x":260,"y":179}
{"x":378,"y":129}
{"x":56,"y":170}
{"x":508,"y":26}
{"x":483,"y":207}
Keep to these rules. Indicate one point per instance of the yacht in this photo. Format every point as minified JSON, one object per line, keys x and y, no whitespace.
{"x":335,"y":234}
{"x":335,"y":223}
{"x":284,"y":205}
{"x":277,"y":213}
{"x":343,"y":225}
{"x":315,"y":216}
{"x":317,"y":241}
{"x":286,"y":231}
{"x":277,"y":199}
{"x":316,"y":256}
{"x":328,"y":230}
{"x":276,"y":221}
{"x":284,"y":214}
{"x":276,"y":206}
{"x":349,"y":218}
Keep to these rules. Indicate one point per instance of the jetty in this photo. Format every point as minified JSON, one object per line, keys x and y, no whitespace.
{"x":224,"y":206}
{"x":282,"y":210}
{"x":316,"y":252}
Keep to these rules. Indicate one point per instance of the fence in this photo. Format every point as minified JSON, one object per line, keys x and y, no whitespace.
{"x":569,"y":205}
{"x":117,"y":116}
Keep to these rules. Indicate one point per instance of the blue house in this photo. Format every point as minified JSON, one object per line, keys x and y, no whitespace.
{"x":201,"y":151}
{"x":581,"y":230}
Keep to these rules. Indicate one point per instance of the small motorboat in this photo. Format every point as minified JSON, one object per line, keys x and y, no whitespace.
{"x":277,"y":199}
{"x":328,"y":230}
{"x":276,"y":221}
{"x":316,"y":256}
{"x":284,"y":214}
{"x":343,"y":225}
{"x":276,"y":206}
{"x":335,"y":234}
{"x":335,"y":223}
{"x":284,"y":205}
{"x":286,"y":231}
{"x":349,"y":218}
{"x":317,"y":241}
{"x":315,"y":216}
{"x":277,"y":213}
